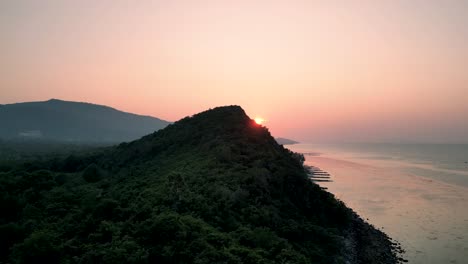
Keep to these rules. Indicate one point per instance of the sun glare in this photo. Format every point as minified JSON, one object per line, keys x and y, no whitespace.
{"x":259,"y":120}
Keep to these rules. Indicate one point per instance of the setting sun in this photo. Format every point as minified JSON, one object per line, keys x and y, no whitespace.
{"x":259,"y":120}
{"x":156,"y":111}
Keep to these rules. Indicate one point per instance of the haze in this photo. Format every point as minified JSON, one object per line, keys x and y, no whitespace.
{"x":315,"y":70}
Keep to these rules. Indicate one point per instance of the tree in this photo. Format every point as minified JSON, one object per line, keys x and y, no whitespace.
{"x":40,"y":247}
{"x":92,"y":173}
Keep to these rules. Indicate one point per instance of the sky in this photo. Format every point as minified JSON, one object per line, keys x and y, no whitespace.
{"x":316,"y":71}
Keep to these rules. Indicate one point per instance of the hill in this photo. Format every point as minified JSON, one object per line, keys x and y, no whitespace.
{"x":211,"y":188}
{"x":285,"y":141}
{"x":59,"y":120}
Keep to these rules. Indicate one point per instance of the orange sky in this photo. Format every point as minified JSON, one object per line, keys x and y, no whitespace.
{"x":315,"y":70}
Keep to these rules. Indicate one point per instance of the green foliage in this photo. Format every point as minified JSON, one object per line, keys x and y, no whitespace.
{"x":92,"y":173}
{"x":40,"y":247}
{"x":212,"y":188}
{"x":10,"y":234}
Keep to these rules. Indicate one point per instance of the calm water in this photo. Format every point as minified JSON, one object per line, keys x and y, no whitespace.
{"x":417,"y":193}
{"x":444,"y":162}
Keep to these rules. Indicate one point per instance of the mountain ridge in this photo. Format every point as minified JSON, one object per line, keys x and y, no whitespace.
{"x":61,"y":120}
{"x":286,"y":141}
{"x":214,"y":187}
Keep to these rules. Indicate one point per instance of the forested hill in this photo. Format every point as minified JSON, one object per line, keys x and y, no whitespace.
{"x":59,"y":120}
{"x":211,"y":188}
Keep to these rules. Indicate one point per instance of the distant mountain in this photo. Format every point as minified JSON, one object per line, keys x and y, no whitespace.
{"x":285,"y":141}
{"x":211,"y":188}
{"x":59,"y":120}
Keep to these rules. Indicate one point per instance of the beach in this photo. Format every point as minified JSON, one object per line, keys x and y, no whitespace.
{"x":427,"y":216}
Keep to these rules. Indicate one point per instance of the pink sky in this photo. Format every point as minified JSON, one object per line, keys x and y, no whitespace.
{"x":315,"y":70}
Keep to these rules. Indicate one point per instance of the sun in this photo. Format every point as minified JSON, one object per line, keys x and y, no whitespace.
{"x":259,"y":120}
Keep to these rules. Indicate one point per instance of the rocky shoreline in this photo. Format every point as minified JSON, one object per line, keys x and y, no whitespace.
{"x":364,"y":244}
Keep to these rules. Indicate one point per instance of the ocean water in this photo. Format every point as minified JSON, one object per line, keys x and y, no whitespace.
{"x":443,"y":162}
{"x":416,"y":193}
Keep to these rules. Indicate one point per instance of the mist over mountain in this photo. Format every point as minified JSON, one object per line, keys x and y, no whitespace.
{"x":59,"y":120}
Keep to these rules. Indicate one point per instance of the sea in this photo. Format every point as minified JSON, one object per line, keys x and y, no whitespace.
{"x":416,"y":193}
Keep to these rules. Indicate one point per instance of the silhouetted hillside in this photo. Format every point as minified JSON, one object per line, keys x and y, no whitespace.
{"x":285,"y":141}
{"x":72,"y":121}
{"x":211,"y":188}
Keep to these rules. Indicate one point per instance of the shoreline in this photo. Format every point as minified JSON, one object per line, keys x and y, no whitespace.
{"x":425,"y":215}
{"x":367,"y":244}
{"x":363,"y":242}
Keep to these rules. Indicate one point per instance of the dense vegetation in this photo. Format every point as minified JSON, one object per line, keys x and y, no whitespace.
{"x":212,"y":188}
{"x":36,"y":150}
{"x":73,"y":122}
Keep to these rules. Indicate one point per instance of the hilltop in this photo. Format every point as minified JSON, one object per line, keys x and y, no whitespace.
{"x":57,"y":120}
{"x":211,"y":188}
